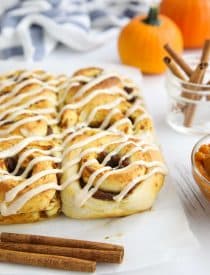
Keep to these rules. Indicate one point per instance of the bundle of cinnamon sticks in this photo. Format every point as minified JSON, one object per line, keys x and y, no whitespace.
{"x":184,"y":72}
{"x":58,"y":253}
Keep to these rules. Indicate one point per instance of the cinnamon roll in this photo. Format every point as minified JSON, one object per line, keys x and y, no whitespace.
{"x":28,"y":102}
{"x":107,"y":174}
{"x":99,"y":99}
{"x":28,"y":173}
{"x":29,"y":146}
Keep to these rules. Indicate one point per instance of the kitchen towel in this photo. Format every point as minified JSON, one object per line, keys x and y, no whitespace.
{"x":33,"y":28}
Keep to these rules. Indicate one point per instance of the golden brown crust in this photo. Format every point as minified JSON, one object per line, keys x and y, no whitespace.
{"x":29,"y":88}
{"x":39,"y":204}
{"x":17,"y":90}
{"x":51,"y":211}
{"x":122,"y":89}
{"x":102,"y":203}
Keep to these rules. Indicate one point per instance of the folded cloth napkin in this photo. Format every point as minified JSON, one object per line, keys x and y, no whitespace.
{"x":33,"y":28}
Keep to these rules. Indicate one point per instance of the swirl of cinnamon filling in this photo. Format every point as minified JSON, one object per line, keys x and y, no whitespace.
{"x":99,"y":99}
{"x":28,"y":102}
{"x":29,"y":179}
{"x":104,"y":173}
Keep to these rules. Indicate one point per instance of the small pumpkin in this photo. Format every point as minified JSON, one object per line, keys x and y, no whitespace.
{"x":192,"y":17}
{"x":141,"y":41}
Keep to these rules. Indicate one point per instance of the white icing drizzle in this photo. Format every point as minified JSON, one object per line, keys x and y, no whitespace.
{"x":123,"y":145}
{"x":5,"y":84}
{"x":14,"y":78}
{"x":128,"y":83}
{"x":84,"y":194}
{"x":18,"y":86}
{"x":114,"y":152}
{"x":128,"y":187}
{"x":15,"y":206}
{"x":22,"y":85}
{"x":18,"y":98}
{"x":78,"y":175}
{"x":26,"y":105}
{"x":122,"y":139}
{"x":72,"y":82}
{"x":5,"y":177}
{"x":136,"y":106}
{"x":29,"y":152}
{"x":73,"y":135}
{"x":84,"y":99}
{"x":38,"y":160}
{"x":81,"y":155}
{"x":108,"y":118}
{"x":144,"y":149}
{"x":91,"y":150}
{"x":141,"y":118}
{"x":61,"y":100}
{"x":75,"y":79}
{"x":11,"y":194}
{"x":108,"y":106}
{"x":26,"y":74}
{"x":23,"y":121}
{"x":86,"y":141}
{"x":4,"y":172}
{"x":12,"y":116}
{"x":120,"y":122}
{"x":10,"y":138}
{"x":94,"y":82}
{"x":88,"y":98}
{"x":22,"y":144}
{"x":87,"y":194}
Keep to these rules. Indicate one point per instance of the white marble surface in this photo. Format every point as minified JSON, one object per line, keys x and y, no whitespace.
{"x":178,"y":145}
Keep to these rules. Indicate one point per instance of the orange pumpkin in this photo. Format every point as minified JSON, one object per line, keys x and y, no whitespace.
{"x":141,"y":41}
{"x":192,"y":17}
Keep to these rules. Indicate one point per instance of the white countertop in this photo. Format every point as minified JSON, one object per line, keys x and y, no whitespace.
{"x":178,"y":145}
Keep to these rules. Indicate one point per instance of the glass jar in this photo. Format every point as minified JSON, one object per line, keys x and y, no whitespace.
{"x":202,"y":182}
{"x":188,"y":103}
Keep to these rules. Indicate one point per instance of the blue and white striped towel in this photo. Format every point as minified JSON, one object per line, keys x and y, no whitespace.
{"x":33,"y":28}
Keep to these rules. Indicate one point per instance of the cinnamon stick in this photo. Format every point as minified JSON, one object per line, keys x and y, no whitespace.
{"x":37,"y":239}
{"x":205,"y":52}
{"x":174,"y":68}
{"x":52,"y":261}
{"x":179,"y":60}
{"x":196,"y":78}
{"x":103,"y":256}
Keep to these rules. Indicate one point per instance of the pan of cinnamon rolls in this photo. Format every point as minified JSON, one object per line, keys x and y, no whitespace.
{"x":82,"y":145}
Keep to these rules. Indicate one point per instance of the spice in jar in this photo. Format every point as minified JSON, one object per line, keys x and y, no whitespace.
{"x":202,"y":160}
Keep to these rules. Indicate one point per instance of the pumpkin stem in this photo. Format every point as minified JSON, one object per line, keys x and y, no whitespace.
{"x":152,"y":17}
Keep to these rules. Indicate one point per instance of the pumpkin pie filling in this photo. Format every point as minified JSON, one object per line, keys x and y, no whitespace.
{"x":202,"y":163}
